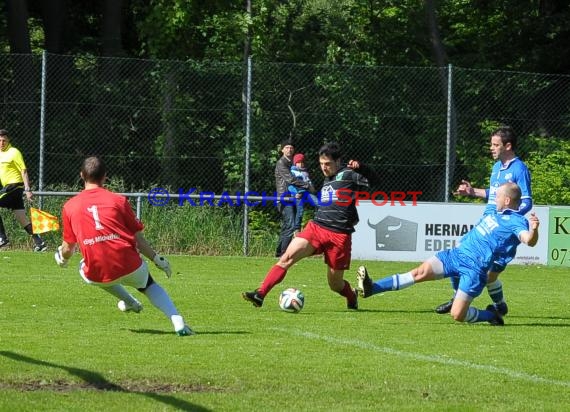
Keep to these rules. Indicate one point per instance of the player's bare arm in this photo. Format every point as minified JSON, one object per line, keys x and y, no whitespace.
{"x":465,"y":189}
{"x":364,"y":170}
{"x":147,"y":250}
{"x":67,"y":249}
{"x":144,"y":247}
{"x":530,"y":237}
{"x":63,"y":253}
{"x":26,"y":180}
{"x":353,"y":164}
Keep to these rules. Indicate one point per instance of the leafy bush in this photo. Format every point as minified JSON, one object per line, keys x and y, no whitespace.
{"x":548,"y":159}
{"x":171,"y":229}
{"x":549,"y":164}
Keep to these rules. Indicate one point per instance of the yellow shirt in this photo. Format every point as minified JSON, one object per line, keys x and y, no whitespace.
{"x":11,"y":166}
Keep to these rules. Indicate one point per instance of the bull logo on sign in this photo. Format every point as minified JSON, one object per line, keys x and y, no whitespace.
{"x":395,"y":234}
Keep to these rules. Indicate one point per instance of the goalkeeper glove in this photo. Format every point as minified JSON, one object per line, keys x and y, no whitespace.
{"x":162,"y":264}
{"x":59,"y":259}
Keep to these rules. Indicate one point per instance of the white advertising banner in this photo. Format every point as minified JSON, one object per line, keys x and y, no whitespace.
{"x":414,"y":233}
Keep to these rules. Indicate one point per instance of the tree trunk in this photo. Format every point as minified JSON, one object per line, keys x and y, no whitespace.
{"x":25,"y":75}
{"x":111,"y":31}
{"x":440,"y":58}
{"x":54,"y":13}
{"x":435,"y":39}
{"x":18,"y":33}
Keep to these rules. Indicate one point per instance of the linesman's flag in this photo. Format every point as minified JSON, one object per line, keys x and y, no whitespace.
{"x":42,"y":221}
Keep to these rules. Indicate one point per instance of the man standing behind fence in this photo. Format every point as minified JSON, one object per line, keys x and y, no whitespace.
{"x":284,"y":178}
{"x":15,"y":181}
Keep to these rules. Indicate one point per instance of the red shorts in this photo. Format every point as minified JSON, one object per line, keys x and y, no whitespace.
{"x":334,"y":246}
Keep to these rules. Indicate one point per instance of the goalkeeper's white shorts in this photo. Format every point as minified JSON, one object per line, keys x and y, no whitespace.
{"x":137,"y":279}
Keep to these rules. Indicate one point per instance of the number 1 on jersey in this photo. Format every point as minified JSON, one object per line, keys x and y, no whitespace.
{"x":93,"y":210}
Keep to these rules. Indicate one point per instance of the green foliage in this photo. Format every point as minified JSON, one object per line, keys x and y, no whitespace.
{"x":225,"y":34}
{"x":354,"y":32}
{"x":180,"y":123}
{"x":476,"y":157}
{"x":344,"y":32}
{"x":179,"y":29}
{"x":262,"y":222}
{"x":549,"y":164}
{"x":163,"y":29}
{"x":37,"y":36}
{"x":379,"y":32}
{"x":174,"y":229}
{"x":475,"y":33}
{"x":234,"y":164}
{"x":548,"y":159}
{"x":205,"y":230}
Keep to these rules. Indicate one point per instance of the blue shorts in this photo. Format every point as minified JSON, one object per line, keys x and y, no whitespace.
{"x":472,"y":278}
{"x":498,"y":266}
{"x":501,"y":262}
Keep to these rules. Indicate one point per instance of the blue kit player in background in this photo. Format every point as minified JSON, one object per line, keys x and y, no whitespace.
{"x":494,"y":236}
{"x":508,"y":168}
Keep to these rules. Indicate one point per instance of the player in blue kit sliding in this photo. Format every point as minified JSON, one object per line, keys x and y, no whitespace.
{"x":495,"y":236}
{"x":508,"y":168}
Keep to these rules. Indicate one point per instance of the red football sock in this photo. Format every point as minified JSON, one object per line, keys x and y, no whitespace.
{"x":348,"y":293}
{"x":275,"y":275}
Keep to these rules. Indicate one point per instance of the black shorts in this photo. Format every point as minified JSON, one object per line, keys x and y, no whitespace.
{"x":12,"y":196}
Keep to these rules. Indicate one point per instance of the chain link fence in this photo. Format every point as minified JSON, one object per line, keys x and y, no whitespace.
{"x":182,"y":124}
{"x":178,"y":124}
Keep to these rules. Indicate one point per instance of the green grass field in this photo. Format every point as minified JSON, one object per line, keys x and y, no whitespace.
{"x":65,"y":346}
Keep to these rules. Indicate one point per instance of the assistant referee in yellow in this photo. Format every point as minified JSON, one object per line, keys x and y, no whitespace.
{"x":15,"y":182}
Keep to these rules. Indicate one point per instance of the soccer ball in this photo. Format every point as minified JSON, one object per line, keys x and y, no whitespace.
{"x":291,"y":300}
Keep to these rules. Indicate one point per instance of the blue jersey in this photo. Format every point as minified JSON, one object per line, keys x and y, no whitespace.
{"x":299,"y":174}
{"x":515,"y":171}
{"x":493,"y":237}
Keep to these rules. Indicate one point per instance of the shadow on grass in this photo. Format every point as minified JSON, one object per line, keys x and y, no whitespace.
{"x":161,"y":332}
{"x":151,"y":331}
{"x":522,"y":318}
{"x":537,"y":317}
{"x":393,"y":311}
{"x":96,"y":381}
{"x":538,"y":324}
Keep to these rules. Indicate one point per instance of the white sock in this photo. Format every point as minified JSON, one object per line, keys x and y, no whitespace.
{"x":471,"y":315}
{"x":159,"y":298}
{"x":177,"y":322}
{"x":120,"y":292}
{"x":404,"y":280}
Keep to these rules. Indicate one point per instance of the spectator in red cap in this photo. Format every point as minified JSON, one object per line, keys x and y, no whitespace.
{"x":302,"y":195}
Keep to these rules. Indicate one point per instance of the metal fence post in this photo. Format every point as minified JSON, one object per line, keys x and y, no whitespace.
{"x":42,"y":126}
{"x":448,"y":164}
{"x":247,"y":155}
{"x":139,"y":212}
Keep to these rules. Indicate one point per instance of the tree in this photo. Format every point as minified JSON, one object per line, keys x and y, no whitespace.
{"x":54,"y":12}
{"x":549,"y":161}
{"x":18,"y":33}
{"x":112,"y":22}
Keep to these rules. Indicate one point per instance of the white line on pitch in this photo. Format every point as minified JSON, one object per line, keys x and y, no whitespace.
{"x":427,"y":358}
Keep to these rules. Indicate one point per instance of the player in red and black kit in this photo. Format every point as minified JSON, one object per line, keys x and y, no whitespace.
{"x":330,"y":232}
{"x":110,"y":238}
